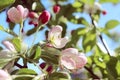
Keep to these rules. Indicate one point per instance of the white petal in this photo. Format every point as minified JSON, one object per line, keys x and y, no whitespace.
{"x":67,"y":62}
{"x":55,"y":32}
{"x":60,"y":43}
{"x":8,"y":45}
{"x":70,"y":51}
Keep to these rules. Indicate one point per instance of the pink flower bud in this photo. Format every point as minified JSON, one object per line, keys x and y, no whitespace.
{"x":104,"y":12}
{"x":44,"y":17}
{"x":43,"y":65}
{"x":18,"y":14}
{"x":49,"y":69}
{"x":72,"y":59}
{"x":32,"y":15}
{"x":56,"y":9}
{"x":4,"y":75}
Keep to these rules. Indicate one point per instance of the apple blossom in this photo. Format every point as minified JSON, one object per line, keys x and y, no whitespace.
{"x":44,"y":17}
{"x":18,"y":14}
{"x":56,"y":9}
{"x":54,"y":37}
{"x":4,"y":75}
{"x":72,"y":59}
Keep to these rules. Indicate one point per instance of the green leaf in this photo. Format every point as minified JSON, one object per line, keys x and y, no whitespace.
{"x":50,"y":55}
{"x":4,"y":62}
{"x":76,"y":4}
{"x":89,"y":40}
{"x":111,"y":68}
{"x":17,"y":43}
{"x":111,"y":24}
{"x":1,"y":28}
{"x":58,"y":76}
{"x":106,"y":1}
{"x":26,"y":71}
{"x":118,"y":68}
{"x":5,"y":3}
{"x":76,"y":34}
{"x":38,"y":52}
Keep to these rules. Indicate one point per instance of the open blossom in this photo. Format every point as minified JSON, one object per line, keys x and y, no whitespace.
{"x":18,"y":14}
{"x":54,"y":36}
{"x":72,"y":59}
{"x":44,"y":17}
{"x":4,"y":75}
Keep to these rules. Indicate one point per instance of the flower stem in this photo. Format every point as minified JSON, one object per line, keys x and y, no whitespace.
{"x":35,"y":36}
{"x":20,"y":32}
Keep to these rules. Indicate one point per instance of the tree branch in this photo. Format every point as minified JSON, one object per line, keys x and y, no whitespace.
{"x":91,"y":72}
{"x":100,"y":36}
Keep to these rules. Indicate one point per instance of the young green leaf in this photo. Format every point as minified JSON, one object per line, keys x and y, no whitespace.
{"x":26,"y":71}
{"x":17,"y":43}
{"x":1,"y":28}
{"x":111,"y":24}
{"x":38,"y":52}
{"x":5,"y":3}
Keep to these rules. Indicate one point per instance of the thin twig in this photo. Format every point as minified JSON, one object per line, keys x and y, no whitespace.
{"x":100,"y":36}
{"x":91,"y":72}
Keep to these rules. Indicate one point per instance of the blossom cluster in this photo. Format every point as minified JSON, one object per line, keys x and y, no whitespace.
{"x":70,"y":58}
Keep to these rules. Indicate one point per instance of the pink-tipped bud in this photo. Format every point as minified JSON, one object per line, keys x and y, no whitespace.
{"x":43,"y":65}
{"x":32,"y":15}
{"x":56,"y":9}
{"x":44,"y":17}
{"x":104,"y":12}
{"x":49,"y":69}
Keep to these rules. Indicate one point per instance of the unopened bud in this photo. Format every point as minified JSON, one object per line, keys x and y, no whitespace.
{"x":49,"y":69}
{"x":104,"y":12}
{"x":44,"y":17}
{"x":42,"y":65}
{"x":56,"y":9}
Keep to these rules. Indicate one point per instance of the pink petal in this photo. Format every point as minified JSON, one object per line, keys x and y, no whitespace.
{"x":4,"y":75}
{"x":80,"y":61}
{"x":14,"y":15}
{"x":60,"y":43}
{"x":8,"y":45}
{"x":20,"y":8}
{"x":26,"y":12}
{"x":55,"y":32}
{"x":70,"y":51}
{"x":67,"y":62}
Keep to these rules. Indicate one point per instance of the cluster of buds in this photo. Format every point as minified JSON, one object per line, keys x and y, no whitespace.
{"x":91,"y":9}
{"x":46,"y":67}
{"x":19,"y":14}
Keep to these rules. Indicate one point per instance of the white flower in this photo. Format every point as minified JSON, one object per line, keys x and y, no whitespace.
{"x":54,"y":36}
{"x":72,"y":59}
